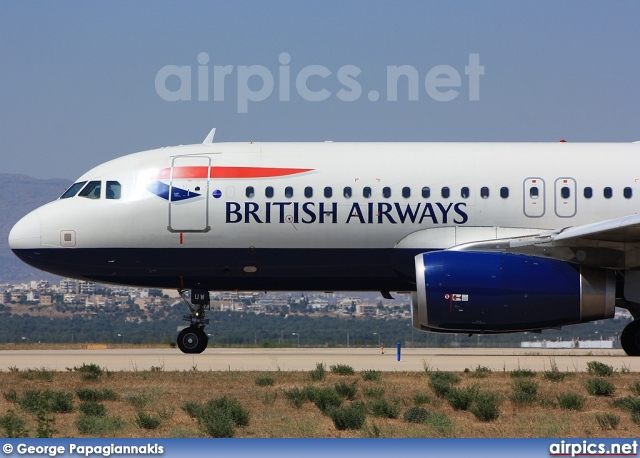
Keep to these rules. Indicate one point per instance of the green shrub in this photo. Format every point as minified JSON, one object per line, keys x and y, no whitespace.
{"x":480,"y":371}
{"x":600,"y":387}
{"x":11,"y":396}
{"x":342,"y":369}
{"x":319,"y":373}
{"x":89,"y":371}
{"x":485,"y":406}
{"x":324,"y":398}
{"x":373,"y":392}
{"x":635,"y":388}
{"x":384,"y":409}
{"x":193,"y":409}
{"x":295,"y":396}
{"x":599,"y":369}
{"x":87,"y":394}
{"x":37,"y":374}
{"x":218,"y":417}
{"x":607,"y":421}
{"x":554,"y":375}
{"x":348,"y":417}
{"x":441,"y":424}
{"x":442,"y":382}
{"x":631,"y":404}
{"x":461,"y":398}
{"x":93,"y":409}
{"x":521,"y":373}
{"x":147,"y":421}
{"x":13,"y":425}
{"x":421,"y":398}
{"x":98,"y":426}
{"x":371,"y":375}
{"x":264,"y":380}
{"x":346,"y":390}
{"x":416,"y":415}
{"x":571,"y":401}
{"x":36,"y":401}
{"x":525,"y":391}
{"x":139,"y":400}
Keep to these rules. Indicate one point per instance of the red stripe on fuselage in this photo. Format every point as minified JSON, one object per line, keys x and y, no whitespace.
{"x":201,"y":172}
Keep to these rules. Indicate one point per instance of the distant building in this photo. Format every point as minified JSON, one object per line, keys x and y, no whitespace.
{"x":69,"y":286}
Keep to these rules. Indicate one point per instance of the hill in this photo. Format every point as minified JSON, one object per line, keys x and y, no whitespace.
{"x":21,"y":194}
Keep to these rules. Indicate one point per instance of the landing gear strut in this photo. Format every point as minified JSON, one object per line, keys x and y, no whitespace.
{"x":193,"y":339}
{"x":630,"y":338}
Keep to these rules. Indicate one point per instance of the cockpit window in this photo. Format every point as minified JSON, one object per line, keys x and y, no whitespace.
{"x":114,"y":190}
{"x":91,"y":190}
{"x":73,"y":190}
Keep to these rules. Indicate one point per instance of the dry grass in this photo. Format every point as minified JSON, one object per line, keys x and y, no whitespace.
{"x":162,"y":394}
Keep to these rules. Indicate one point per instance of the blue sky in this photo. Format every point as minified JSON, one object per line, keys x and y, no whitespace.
{"x":78,"y":79}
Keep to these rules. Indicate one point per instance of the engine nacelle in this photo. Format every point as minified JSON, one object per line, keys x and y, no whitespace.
{"x":492,"y":292}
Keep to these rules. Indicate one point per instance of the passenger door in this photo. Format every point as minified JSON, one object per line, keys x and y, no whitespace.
{"x":189,"y":194}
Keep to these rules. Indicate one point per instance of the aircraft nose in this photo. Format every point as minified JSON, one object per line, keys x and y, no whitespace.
{"x":27,"y":232}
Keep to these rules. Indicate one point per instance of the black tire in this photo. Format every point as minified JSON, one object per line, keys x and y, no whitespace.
{"x":630,"y":338}
{"x":192,"y":340}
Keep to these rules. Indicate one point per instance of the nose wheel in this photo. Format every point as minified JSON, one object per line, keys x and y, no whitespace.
{"x":193,"y":339}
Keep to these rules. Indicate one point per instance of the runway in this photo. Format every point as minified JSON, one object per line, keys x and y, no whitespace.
{"x":304,"y":359}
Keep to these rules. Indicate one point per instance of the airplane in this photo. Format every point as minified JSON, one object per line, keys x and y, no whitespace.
{"x":486,"y":237}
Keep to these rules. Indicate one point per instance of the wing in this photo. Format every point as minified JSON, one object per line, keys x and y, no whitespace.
{"x":613,"y":243}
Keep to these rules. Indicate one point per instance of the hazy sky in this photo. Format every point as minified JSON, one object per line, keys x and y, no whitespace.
{"x":84,"y":82}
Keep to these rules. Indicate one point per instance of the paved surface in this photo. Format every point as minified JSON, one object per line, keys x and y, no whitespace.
{"x":236,"y":359}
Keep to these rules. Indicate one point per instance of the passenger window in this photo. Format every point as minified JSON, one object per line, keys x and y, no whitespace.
{"x":426,"y":192}
{"x":406,"y":192}
{"x":346,"y":192}
{"x":608,"y":192}
{"x":464,"y":193}
{"x":386,"y":192}
{"x":328,"y":192}
{"x":91,"y":190}
{"x":366,"y":192}
{"x":588,"y":192}
{"x":627,"y":193}
{"x":308,"y":192}
{"x":565,"y":192}
{"x":445,"y":192}
{"x":288,"y":192}
{"x":73,"y":190}
{"x":504,"y":192}
{"x":534,"y":192}
{"x":113,"y":190}
{"x":484,"y":192}
{"x":268,"y":192}
{"x":250,"y":193}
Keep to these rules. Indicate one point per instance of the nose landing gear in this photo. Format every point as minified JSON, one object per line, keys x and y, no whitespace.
{"x":193,"y":339}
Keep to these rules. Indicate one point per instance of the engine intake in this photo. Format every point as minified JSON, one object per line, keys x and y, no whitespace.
{"x":492,"y":292}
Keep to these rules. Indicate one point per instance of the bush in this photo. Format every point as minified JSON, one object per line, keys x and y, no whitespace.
{"x":521,"y":373}
{"x":461,"y":398}
{"x":264,"y":380}
{"x":98,"y":426}
{"x":481,"y":371}
{"x":384,"y":409}
{"x":416,"y":415}
{"x":631,"y":404}
{"x":485,"y":406}
{"x":599,"y":369}
{"x":525,"y":391}
{"x":218,"y":417}
{"x":13,"y":425}
{"x":442,"y":382}
{"x":147,"y":421}
{"x":93,"y":409}
{"x":420,"y":399}
{"x":36,"y":401}
{"x":371,"y":375}
{"x":43,"y":374}
{"x":600,"y":387}
{"x":635,"y":388}
{"x":342,"y":369}
{"x":138,"y":400}
{"x":373,"y":392}
{"x":324,"y":398}
{"x":346,"y":390}
{"x":295,"y":396}
{"x":88,"y":394}
{"x":441,"y":424}
{"x":89,"y":371}
{"x":319,"y":373}
{"x":348,"y":417}
{"x":607,"y":420}
{"x":571,"y":401}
